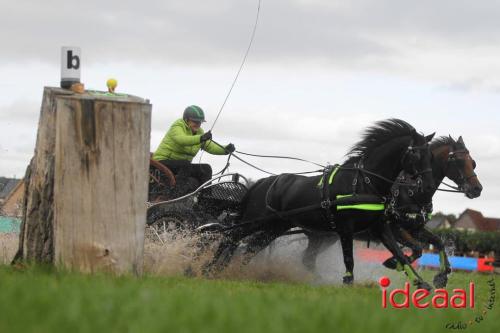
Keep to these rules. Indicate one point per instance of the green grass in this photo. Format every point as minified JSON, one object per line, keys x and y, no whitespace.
{"x":36,"y":300}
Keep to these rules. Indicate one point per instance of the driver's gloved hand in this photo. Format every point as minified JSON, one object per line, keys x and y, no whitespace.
{"x":205,"y":137}
{"x":230,"y":148}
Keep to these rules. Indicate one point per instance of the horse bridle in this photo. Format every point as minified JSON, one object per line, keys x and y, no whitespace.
{"x":414,"y":182}
{"x":414,"y":185}
{"x":413,"y":154}
{"x":453,"y":161}
{"x":427,"y":207}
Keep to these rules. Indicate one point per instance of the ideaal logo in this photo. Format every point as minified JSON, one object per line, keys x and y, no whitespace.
{"x":460,"y":298}
{"x":421,"y":298}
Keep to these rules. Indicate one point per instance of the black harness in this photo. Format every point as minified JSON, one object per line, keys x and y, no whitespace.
{"x":326,"y":202}
{"x":402,"y":211}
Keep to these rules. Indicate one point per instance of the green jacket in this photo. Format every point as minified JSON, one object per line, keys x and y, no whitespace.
{"x":181,"y":144}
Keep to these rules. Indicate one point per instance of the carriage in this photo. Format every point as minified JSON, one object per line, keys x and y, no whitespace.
{"x":213,"y":205}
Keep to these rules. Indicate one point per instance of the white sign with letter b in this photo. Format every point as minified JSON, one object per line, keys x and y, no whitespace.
{"x":70,"y":65}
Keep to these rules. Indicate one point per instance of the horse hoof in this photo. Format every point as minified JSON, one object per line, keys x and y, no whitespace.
{"x":348,"y":279}
{"x":424,"y":285}
{"x":440,"y":280}
{"x":390,"y":263}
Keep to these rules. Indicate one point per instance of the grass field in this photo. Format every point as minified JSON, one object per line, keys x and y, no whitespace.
{"x":37,"y":300}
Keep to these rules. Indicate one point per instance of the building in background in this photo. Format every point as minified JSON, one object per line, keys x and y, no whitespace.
{"x":11,"y":196}
{"x":472,"y":220}
{"x":439,"y":222}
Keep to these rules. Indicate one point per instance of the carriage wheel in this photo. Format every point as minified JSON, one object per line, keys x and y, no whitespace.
{"x":170,"y":222}
{"x":161,"y":181}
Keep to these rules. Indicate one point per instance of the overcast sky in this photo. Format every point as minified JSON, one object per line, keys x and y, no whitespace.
{"x":318,"y":73}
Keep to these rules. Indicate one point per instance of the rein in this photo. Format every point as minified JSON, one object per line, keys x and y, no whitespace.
{"x":254,"y":29}
{"x":264,"y":156}
{"x":454,"y":189}
{"x":452,"y":159}
{"x":281,"y":157}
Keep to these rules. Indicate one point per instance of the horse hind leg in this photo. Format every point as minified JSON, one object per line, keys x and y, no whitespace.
{"x":314,"y":244}
{"x":223,"y":254}
{"x":259,"y":241}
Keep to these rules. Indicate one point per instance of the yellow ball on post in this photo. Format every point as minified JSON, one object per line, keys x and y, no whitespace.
{"x":111,"y":83}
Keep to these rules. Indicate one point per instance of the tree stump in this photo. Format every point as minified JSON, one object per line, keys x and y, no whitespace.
{"x":87,"y":184}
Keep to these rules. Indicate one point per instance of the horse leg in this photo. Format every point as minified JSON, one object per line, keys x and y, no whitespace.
{"x":259,"y":241}
{"x":440,"y":279}
{"x":346,"y":240}
{"x":221,"y":257}
{"x":390,"y":243}
{"x":405,"y":238}
{"x":314,"y":244}
{"x":225,"y":251}
{"x":413,"y":242}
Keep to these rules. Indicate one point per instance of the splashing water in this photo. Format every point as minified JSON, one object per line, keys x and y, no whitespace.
{"x":282,"y":261}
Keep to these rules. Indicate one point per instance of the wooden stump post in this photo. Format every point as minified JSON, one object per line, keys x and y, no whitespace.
{"x":86,"y":186}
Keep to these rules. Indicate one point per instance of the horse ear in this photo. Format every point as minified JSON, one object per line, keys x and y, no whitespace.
{"x":460,"y":140}
{"x":429,"y":137}
{"x":452,"y":140}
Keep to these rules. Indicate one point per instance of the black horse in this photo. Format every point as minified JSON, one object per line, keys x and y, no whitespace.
{"x":409,"y":207}
{"x":346,"y":193}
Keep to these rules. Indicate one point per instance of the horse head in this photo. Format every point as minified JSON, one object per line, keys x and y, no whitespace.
{"x":460,"y":169}
{"x":416,"y":162}
{"x":391,"y":146}
{"x":450,"y":159}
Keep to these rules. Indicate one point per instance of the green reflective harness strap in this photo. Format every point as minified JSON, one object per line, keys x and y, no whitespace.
{"x":330,"y":180}
{"x":332,"y":175}
{"x":361,"y":206}
{"x":340,"y":196}
{"x":372,"y":207}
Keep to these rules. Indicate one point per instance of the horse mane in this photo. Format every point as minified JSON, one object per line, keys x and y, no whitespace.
{"x":377,"y":135}
{"x":441,"y":141}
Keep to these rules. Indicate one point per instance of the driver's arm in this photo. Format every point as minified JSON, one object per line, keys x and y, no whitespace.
{"x":213,"y":148}
{"x":177,"y":135}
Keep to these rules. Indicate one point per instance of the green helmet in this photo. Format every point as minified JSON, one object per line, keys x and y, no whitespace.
{"x":194,"y":112}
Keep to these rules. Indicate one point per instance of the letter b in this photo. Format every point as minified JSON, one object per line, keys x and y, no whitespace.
{"x":73,"y":60}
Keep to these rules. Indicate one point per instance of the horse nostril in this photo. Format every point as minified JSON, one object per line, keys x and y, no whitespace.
{"x":478,"y":188}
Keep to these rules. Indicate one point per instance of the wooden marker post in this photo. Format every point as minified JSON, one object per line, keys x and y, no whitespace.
{"x":87,"y":184}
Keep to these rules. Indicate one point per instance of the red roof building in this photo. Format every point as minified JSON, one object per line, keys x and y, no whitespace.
{"x":472,"y":220}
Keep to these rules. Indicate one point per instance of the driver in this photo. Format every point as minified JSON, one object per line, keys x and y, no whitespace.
{"x":182,"y":142}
